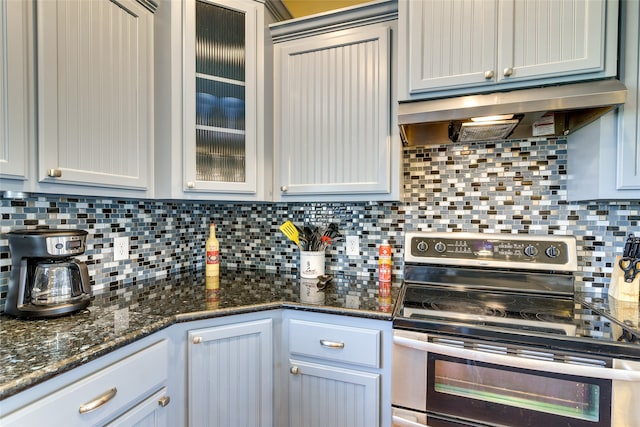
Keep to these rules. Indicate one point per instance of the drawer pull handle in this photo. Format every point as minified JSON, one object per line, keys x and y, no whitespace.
{"x":331,"y":344}
{"x":164,"y":401}
{"x":294,"y":370}
{"x":98,"y":401}
{"x":54,"y":173}
{"x":197,"y":340}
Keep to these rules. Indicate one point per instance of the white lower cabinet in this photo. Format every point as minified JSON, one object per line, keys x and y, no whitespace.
{"x":321,"y":395}
{"x":130,"y":391}
{"x":338,"y":370}
{"x":283,"y":368}
{"x":230,"y":375}
{"x":149,"y":413}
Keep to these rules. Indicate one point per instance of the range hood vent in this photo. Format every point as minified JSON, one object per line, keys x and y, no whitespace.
{"x":537,"y":112}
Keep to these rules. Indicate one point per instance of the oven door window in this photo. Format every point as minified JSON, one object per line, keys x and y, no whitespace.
{"x":493,"y":393}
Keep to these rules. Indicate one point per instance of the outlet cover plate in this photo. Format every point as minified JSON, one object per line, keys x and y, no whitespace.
{"x":120,"y":248}
{"x":353,"y":245}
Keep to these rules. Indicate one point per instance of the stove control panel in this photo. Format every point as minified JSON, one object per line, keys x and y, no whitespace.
{"x":492,"y":250}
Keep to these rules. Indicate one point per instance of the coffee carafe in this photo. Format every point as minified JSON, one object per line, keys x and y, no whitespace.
{"x":45,"y":280}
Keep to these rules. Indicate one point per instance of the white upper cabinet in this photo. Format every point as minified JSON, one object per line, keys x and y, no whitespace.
{"x":211,"y":139}
{"x":604,"y":157}
{"x":16,"y":93}
{"x":628,"y":156}
{"x":335,"y":133}
{"x":453,"y":47}
{"x":95,"y":96}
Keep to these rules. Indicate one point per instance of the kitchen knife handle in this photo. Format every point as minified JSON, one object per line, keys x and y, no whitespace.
{"x":627,"y":246}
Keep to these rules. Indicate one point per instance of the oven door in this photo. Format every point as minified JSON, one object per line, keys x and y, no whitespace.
{"x":469,"y":387}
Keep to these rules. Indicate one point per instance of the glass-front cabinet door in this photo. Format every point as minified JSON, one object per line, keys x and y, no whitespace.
{"x":220,"y":96}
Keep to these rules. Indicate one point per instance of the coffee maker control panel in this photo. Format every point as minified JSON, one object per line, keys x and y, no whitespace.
{"x":65,"y":245}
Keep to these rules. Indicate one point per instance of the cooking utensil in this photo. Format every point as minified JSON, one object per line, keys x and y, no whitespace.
{"x":291,"y":231}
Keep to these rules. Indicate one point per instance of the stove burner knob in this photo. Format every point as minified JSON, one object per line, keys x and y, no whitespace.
{"x":422,"y":246}
{"x":440,"y":247}
{"x":531,"y":251}
{"x":552,"y":252}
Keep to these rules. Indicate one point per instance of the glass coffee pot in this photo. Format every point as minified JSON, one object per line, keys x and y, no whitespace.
{"x":57,"y":283}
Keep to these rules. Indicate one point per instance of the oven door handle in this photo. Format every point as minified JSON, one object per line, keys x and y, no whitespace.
{"x":520,"y":362}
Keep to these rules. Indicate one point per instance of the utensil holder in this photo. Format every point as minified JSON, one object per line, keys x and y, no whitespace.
{"x":311,"y":264}
{"x":619,"y":288}
{"x":310,"y":293}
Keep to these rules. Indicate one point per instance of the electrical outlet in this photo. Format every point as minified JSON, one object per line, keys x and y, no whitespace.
{"x":353,"y":245}
{"x":120,"y":248}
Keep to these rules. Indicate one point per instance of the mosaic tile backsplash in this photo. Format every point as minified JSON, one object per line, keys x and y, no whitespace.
{"x":506,"y":186}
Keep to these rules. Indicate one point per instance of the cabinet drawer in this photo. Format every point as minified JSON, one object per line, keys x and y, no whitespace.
{"x":347,"y":344}
{"x":133,"y":378}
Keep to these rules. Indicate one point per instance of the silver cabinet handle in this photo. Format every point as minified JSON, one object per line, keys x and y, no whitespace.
{"x":508,"y":71}
{"x":191,"y":184}
{"x":489,"y":74}
{"x":294,"y":370}
{"x":164,"y":401}
{"x":284,"y":189}
{"x":331,"y":344}
{"x":197,"y":340}
{"x":98,"y":401}
{"x":54,"y":173}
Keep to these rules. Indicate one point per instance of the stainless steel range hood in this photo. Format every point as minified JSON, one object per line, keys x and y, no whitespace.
{"x":542,"y":111}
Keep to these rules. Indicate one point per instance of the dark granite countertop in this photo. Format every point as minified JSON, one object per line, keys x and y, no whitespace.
{"x":624,"y":314}
{"x":32,"y":351}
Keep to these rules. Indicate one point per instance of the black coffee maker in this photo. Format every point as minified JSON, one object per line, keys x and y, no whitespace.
{"x":45,"y":280}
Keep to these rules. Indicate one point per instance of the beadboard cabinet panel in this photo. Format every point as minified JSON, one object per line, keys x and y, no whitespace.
{"x":453,"y":48}
{"x":95,"y":93}
{"x":628,"y":176}
{"x":322,"y":395}
{"x":16,"y":97}
{"x":455,"y":45}
{"x":230,"y":375}
{"x":333,"y":125}
{"x":544,"y":39}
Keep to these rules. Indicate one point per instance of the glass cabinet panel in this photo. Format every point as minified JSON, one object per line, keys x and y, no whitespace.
{"x":220,"y":52}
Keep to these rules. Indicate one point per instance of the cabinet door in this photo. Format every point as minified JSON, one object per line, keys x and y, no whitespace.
{"x":220,"y":95}
{"x":451,"y":44}
{"x":95,"y":92}
{"x":231,"y":375}
{"x":322,"y":395}
{"x":15,"y":95}
{"x":149,"y":413}
{"x":541,"y":38}
{"x":333,"y":105}
{"x":628,"y":160}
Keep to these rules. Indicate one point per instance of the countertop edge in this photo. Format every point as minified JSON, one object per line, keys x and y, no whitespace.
{"x":35,"y":378}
